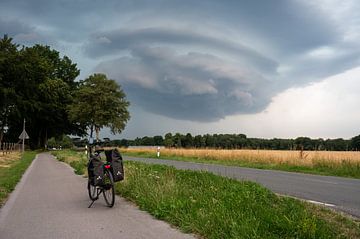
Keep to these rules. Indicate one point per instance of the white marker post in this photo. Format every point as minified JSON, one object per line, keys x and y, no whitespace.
{"x":158,"y":151}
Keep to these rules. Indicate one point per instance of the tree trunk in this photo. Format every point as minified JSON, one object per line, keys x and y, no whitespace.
{"x":97,"y":129}
{"x":91,"y":131}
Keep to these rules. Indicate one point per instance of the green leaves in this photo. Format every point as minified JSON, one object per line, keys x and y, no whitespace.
{"x":100,"y":102}
{"x":36,"y":84}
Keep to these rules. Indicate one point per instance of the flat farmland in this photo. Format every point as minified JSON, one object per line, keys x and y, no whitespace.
{"x":335,"y":163}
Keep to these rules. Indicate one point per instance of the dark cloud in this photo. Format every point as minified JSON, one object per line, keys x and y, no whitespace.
{"x":13,"y":28}
{"x":194,"y":60}
{"x":288,"y":26}
{"x":112,"y":42}
{"x":193,"y":86}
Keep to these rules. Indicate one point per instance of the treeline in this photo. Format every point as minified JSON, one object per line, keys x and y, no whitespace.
{"x":240,"y":141}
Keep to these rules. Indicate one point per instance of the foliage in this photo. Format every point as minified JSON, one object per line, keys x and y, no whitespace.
{"x":36,"y":84}
{"x":76,"y":160}
{"x":355,"y":143}
{"x":100,"y":102}
{"x":11,"y":175}
{"x":64,"y":142}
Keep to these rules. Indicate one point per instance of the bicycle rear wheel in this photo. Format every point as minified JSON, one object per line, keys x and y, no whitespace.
{"x":108,"y":189}
{"x":92,"y":191}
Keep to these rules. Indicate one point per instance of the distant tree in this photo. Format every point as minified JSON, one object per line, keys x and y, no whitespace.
{"x":63,"y":141}
{"x":148,"y":141}
{"x":188,"y":141}
{"x":123,"y":143}
{"x":355,"y":143}
{"x":168,"y":141}
{"x":100,"y":102}
{"x":158,"y":140}
{"x":198,"y":141}
{"x":304,"y":143}
{"x":177,"y":140}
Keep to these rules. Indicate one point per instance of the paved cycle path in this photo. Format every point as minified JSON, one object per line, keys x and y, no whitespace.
{"x":336,"y":192}
{"x":52,"y":202}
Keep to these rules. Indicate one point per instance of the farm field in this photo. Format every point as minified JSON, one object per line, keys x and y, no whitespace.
{"x":335,"y":163}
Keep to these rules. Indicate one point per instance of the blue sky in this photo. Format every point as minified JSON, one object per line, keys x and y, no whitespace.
{"x":283,"y":68}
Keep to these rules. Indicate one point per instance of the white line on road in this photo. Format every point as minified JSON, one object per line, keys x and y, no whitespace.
{"x":321,"y":203}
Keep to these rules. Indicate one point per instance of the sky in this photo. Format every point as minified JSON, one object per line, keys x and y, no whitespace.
{"x":277,"y":68}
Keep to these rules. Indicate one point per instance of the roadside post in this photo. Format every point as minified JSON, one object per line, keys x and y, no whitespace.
{"x":23,"y":136}
{"x":158,"y":151}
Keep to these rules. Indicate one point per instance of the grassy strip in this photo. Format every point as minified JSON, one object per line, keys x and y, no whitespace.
{"x":218,"y":207}
{"x":344,"y":169}
{"x":76,"y":160}
{"x":11,"y":175}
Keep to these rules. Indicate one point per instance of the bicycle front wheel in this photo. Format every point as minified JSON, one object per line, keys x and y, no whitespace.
{"x":109,"y":190}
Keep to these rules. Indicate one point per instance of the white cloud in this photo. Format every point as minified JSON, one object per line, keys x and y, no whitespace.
{"x":324,"y":52}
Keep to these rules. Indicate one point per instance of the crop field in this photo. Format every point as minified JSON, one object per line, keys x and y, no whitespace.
{"x":339,"y":163}
{"x":7,"y":159}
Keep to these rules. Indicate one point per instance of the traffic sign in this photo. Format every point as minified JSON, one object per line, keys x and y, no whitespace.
{"x":24,"y":135}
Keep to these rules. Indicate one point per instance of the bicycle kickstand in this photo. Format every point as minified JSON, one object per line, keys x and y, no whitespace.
{"x":98,"y":192}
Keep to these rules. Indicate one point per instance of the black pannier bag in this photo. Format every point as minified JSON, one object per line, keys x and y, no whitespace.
{"x":116,"y":162}
{"x":96,"y":171}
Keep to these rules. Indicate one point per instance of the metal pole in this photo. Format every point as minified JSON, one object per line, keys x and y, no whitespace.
{"x":23,"y":139}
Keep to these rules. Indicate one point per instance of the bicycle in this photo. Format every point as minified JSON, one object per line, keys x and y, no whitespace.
{"x":106,"y":187}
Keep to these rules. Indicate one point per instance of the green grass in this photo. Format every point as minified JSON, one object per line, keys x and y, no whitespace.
{"x":10,"y":176}
{"x":76,"y":160}
{"x":216,"y":207}
{"x":345,"y":169}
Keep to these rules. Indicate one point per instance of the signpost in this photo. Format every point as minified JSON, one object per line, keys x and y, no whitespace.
{"x":23,"y":136}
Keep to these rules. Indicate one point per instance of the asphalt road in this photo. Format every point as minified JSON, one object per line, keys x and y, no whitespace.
{"x":52,"y":202}
{"x":336,"y":192}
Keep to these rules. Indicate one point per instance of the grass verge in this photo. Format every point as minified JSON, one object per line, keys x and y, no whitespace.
{"x":343,"y":169}
{"x":11,"y":174}
{"x":75,"y":159}
{"x":216,"y":207}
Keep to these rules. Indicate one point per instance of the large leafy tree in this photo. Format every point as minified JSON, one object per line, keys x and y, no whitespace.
{"x":100,"y":102}
{"x":36,"y":84}
{"x":8,"y":63}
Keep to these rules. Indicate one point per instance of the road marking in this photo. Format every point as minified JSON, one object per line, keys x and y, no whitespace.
{"x":321,"y":203}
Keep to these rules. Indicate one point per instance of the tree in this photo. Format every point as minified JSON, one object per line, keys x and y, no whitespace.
{"x":158,"y":140}
{"x":188,"y":141}
{"x":61,"y":142}
{"x":355,"y":143}
{"x":36,"y":84}
{"x":100,"y":102}
{"x":8,"y":58}
{"x":177,"y":140}
{"x":168,"y":141}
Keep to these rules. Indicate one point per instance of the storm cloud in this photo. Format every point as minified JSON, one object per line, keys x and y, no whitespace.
{"x":196,"y":60}
{"x":192,"y":86}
